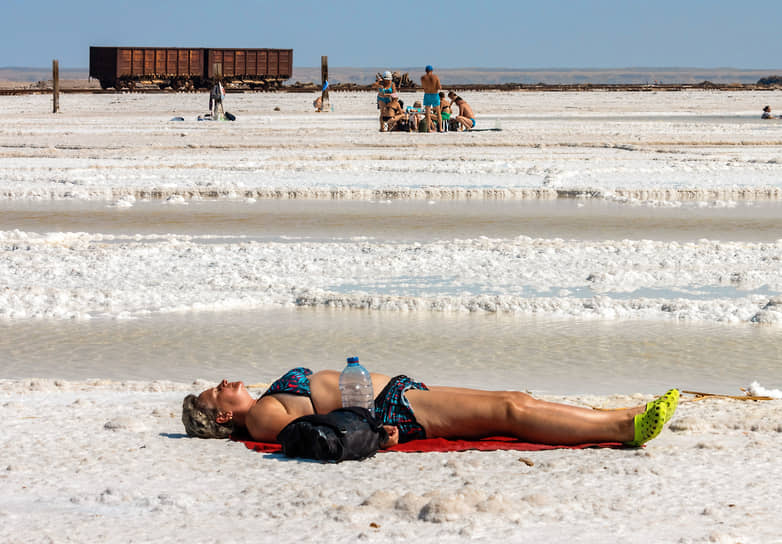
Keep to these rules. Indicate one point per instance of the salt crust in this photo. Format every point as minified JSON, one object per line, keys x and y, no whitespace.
{"x":79,"y":275}
{"x":638,"y":148}
{"x":109,"y":461}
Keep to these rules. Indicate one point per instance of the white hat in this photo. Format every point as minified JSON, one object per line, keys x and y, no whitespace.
{"x":386,"y":75}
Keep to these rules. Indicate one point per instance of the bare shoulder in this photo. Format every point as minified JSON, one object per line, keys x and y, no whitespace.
{"x":267,"y":418}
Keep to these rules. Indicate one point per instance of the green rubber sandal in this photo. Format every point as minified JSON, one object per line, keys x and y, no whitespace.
{"x":671,"y":401}
{"x":649,"y":424}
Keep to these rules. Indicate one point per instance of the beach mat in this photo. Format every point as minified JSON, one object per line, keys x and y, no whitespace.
{"x":447,"y":445}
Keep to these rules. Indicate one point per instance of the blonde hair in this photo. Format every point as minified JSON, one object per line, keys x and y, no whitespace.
{"x":201,"y":421}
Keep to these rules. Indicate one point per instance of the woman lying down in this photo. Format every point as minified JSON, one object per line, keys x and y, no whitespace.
{"x":411,"y":410}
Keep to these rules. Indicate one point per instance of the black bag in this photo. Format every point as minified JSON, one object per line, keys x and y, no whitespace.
{"x":344,"y":434}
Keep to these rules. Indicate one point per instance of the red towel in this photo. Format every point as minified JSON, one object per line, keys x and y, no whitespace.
{"x":445,"y":444}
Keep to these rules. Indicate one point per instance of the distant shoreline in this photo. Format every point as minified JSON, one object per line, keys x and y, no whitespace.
{"x":85,"y":86}
{"x":451,"y":77}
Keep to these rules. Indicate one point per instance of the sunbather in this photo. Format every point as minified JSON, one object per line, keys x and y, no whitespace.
{"x":465,"y":117}
{"x":414,"y":115}
{"x":445,"y":112}
{"x":391,"y":114}
{"x":410,"y":410}
{"x":386,"y":89}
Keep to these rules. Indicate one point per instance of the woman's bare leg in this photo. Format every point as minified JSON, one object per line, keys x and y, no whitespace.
{"x":455,"y":412}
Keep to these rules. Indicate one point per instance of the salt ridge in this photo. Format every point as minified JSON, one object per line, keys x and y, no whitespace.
{"x":81,"y":275}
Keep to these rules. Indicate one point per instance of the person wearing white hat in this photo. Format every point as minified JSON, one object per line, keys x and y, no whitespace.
{"x":386,"y":88}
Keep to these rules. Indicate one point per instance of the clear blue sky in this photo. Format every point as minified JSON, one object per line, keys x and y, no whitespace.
{"x":456,"y":33}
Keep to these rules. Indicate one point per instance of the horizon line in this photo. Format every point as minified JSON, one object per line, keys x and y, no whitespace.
{"x":486,"y":68}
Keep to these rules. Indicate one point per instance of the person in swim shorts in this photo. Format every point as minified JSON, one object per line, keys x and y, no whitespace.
{"x":431,"y":84}
{"x":411,"y":410}
{"x":465,"y":117}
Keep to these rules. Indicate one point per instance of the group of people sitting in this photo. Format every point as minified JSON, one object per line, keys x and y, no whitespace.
{"x":434,"y":115}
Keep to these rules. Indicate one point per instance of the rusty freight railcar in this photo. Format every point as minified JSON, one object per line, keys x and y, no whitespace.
{"x":255,"y":68}
{"x":179,"y":67}
{"x":124,"y":67}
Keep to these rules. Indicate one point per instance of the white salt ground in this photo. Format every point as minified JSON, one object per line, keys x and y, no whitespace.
{"x":101,"y":461}
{"x":658,"y":147}
{"x":80,"y":275}
{"x":106,"y":461}
{"x":637,"y":149}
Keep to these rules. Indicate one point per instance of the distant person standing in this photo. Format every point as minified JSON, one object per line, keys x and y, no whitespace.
{"x":216,"y":96}
{"x":386,"y":89}
{"x":465,"y":117}
{"x":431,"y":84}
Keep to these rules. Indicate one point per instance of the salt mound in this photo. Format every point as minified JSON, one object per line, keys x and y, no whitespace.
{"x":125,"y":423}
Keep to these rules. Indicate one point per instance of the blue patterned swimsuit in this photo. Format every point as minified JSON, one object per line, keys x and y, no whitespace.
{"x":293,"y":382}
{"x":392,"y":408}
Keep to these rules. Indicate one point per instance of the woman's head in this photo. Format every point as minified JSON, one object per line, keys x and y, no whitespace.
{"x":215,"y":412}
{"x":201,"y":421}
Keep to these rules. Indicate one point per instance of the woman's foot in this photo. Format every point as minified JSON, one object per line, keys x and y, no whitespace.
{"x":649,"y":424}
{"x":671,"y":401}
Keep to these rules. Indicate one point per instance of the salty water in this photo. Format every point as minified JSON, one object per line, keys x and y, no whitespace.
{"x":543,"y":355}
{"x":317,"y":220}
{"x":475,"y":350}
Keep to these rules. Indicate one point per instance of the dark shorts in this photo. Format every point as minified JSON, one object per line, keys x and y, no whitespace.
{"x":392,"y":408}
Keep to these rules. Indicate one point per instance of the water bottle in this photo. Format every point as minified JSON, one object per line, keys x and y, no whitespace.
{"x":355,"y":386}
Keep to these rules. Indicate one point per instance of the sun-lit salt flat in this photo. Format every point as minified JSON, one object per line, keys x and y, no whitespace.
{"x":697,"y":153}
{"x":655,"y":146}
{"x":597,"y":249}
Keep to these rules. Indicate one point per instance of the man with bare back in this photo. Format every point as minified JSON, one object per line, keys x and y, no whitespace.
{"x":431,"y":84}
{"x":466,"y":117}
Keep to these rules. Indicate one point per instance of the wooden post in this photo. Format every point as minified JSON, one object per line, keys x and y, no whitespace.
{"x":324,"y":76}
{"x":55,"y":86}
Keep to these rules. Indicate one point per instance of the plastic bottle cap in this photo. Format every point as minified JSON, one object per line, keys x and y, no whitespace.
{"x":352,"y":359}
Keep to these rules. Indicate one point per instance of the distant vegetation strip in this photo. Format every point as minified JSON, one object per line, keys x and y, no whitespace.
{"x":476,"y":76}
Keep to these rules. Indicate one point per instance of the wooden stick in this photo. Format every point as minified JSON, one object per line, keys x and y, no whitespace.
{"x":701,"y":396}
{"x":55,"y":86}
